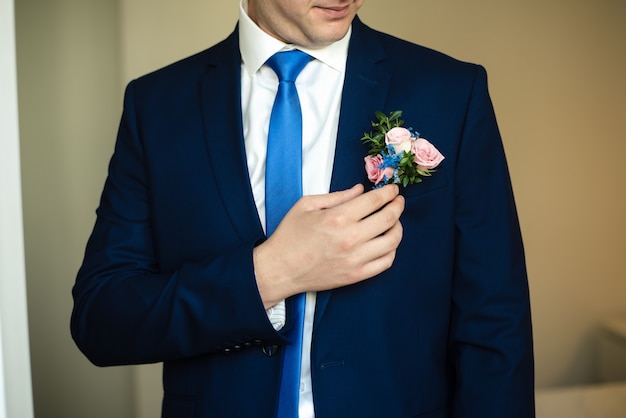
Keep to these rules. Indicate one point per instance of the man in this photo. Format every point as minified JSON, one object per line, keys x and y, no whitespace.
{"x":416,"y":297}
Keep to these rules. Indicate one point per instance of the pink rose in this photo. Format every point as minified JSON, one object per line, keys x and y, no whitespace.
{"x":374,"y":173}
{"x":427,"y":157}
{"x":400,"y":138}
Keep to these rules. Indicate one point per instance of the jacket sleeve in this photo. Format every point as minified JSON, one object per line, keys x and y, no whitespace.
{"x":128,"y":308}
{"x":490,"y":337}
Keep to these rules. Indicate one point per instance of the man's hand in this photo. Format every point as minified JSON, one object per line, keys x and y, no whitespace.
{"x":329,"y":241}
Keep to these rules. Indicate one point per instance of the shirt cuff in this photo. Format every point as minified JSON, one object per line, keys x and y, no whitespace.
{"x":277,"y":315}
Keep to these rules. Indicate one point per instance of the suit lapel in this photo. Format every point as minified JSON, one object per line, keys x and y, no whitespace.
{"x":223,"y":127}
{"x":365,"y":90}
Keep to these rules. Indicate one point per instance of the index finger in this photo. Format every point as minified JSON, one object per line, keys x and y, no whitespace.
{"x":367,"y":203}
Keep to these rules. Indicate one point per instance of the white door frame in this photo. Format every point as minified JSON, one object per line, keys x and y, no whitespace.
{"x":15,"y":376}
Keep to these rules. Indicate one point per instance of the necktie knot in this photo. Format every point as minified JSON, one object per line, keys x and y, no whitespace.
{"x":288,"y":64}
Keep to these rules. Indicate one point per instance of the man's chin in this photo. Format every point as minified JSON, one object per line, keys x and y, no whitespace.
{"x":334,"y":33}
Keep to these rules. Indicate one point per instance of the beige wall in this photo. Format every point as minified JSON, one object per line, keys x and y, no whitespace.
{"x":556,"y":74}
{"x":68,"y":81}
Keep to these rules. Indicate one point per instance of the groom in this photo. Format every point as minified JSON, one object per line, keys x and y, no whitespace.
{"x":416,"y":297}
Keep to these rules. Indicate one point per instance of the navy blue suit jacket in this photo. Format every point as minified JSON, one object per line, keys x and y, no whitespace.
{"x":168,"y":273}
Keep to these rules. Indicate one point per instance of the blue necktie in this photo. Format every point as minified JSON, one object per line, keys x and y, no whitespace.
{"x":283,"y":187}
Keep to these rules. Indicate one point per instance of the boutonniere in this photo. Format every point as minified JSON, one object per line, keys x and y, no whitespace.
{"x":397,"y":154}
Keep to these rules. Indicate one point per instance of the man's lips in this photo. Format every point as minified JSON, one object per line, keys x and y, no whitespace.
{"x":336,"y":12}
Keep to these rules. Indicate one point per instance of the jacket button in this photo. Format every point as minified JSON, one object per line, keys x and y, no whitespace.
{"x":270,"y":350}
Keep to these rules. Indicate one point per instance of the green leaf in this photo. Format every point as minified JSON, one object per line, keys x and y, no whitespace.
{"x":396,"y":114}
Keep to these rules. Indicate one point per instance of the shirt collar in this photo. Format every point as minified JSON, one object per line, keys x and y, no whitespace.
{"x":257,"y":46}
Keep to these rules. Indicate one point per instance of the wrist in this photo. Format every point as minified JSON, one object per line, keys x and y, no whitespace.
{"x":271,"y":282}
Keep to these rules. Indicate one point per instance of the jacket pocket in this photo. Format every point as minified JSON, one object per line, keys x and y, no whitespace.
{"x":438,"y":180}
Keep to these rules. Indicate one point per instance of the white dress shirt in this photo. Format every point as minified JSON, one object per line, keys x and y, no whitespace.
{"x":319,"y":88}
